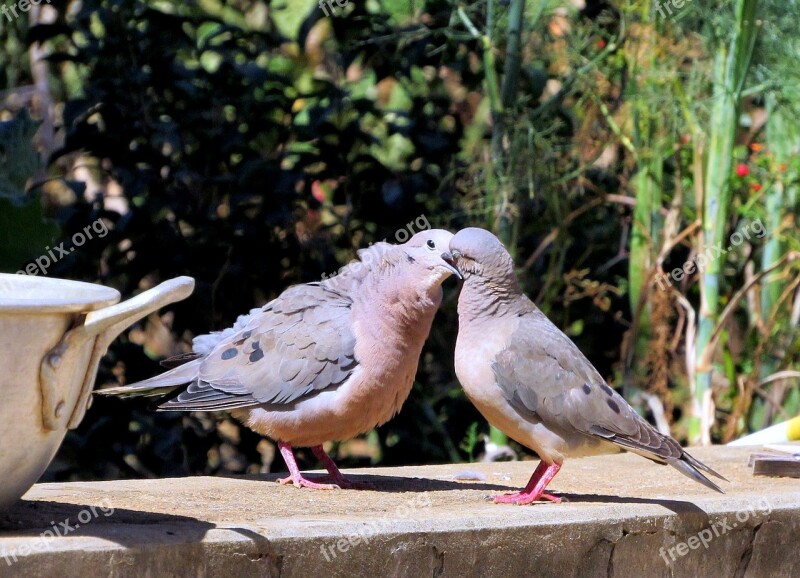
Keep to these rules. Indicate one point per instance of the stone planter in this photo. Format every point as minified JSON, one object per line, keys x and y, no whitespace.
{"x":53,"y":333}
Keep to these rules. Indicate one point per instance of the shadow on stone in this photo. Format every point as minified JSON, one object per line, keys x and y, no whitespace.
{"x":390,"y":484}
{"x":677,"y":506}
{"x":58,"y":519}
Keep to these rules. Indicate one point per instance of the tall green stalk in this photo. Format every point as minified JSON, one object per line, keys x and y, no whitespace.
{"x":502,"y":98}
{"x":731,"y":64}
{"x":503,"y":164}
{"x":505,"y":210}
{"x":648,"y":186}
{"x":783,"y":139}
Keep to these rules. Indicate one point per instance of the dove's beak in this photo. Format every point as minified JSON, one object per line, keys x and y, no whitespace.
{"x":451,"y":264}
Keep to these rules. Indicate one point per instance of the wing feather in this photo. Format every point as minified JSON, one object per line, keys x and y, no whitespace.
{"x":297,"y":345}
{"x":546,"y":378}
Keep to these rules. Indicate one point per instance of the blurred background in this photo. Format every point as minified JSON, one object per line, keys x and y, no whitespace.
{"x":639,"y":159}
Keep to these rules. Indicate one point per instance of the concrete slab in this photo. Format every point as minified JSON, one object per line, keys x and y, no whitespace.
{"x":625,"y":517}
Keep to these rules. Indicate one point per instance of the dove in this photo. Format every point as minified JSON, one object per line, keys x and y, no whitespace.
{"x":529,"y":380}
{"x":323,"y":361}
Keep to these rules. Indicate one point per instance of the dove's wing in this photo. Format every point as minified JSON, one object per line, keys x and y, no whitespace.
{"x":546,"y":378}
{"x":300,"y":343}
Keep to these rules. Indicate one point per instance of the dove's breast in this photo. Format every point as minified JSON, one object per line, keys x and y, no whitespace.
{"x":387,"y":354}
{"x":477,"y":346}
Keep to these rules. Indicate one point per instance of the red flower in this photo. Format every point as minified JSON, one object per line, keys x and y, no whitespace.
{"x":318,"y":191}
{"x":742,"y":170}
{"x":755,"y":186}
{"x":601,"y":44}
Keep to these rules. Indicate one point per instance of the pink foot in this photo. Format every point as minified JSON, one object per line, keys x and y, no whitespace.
{"x":338,"y":481}
{"x":301,"y":482}
{"x":534,"y":491}
{"x":294,"y":477}
{"x":521,"y":498}
{"x":335,"y":476}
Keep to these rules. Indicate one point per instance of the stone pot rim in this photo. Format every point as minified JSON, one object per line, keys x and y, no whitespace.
{"x":54,"y":295}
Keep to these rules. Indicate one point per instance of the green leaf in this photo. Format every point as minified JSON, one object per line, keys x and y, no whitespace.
{"x":289,"y":16}
{"x":470,"y":441}
{"x":24,"y":233}
{"x":18,"y":159}
{"x":393,"y":152}
{"x":401,"y":11}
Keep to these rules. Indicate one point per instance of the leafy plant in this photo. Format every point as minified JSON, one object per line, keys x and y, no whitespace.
{"x":470,"y":441}
{"x":24,"y":231}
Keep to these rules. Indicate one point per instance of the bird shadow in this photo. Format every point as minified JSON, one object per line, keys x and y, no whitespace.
{"x":389,"y":484}
{"x":33,"y":518}
{"x":403,"y":484}
{"x":676,"y":506}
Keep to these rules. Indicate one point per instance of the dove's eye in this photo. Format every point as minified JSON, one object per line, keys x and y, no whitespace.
{"x":431,"y":245}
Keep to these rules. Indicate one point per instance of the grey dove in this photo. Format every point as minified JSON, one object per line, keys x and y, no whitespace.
{"x":323,"y":361}
{"x":532,"y":382}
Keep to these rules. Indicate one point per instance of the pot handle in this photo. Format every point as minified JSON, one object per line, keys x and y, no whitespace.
{"x":102,"y":327}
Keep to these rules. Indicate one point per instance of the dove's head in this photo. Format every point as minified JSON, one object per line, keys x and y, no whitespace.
{"x":481,"y":256}
{"x":429,"y":251}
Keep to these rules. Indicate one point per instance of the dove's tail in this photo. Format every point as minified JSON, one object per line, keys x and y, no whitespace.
{"x":691,"y":468}
{"x":158,"y":385}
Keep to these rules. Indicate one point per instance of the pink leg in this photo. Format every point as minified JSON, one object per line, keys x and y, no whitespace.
{"x":294,"y":472}
{"x":335,"y":476}
{"x":535,"y":489}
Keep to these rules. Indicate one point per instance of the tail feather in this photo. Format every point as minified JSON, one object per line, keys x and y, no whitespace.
{"x":691,"y":467}
{"x":701,"y":466}
{"x":158,"y":385}
{"x":180,"y":359}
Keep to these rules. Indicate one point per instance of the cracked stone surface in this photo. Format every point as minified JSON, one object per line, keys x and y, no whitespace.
{"x":625,"y":517}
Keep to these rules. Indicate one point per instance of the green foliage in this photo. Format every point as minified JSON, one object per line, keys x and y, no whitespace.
{"x":18,"y":159}
{"x":24,"y":232}
{"x":13,"y":65}
{"x":219,"y":134}
{"x":255,"y":144}
{"x":470,"y":441}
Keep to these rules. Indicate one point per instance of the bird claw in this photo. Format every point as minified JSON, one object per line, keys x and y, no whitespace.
{"x":334,"y":475}
{"x":301,"y":482}
{"x":338,"y":483}
{"x":521,"y":498}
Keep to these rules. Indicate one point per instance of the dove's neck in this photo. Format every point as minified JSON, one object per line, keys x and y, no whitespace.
{"x":397,"y":309}
{"x":405,"y":302}
{"x":483,"y":300}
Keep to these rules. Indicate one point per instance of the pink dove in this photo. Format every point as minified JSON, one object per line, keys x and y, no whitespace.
{"x":323,"y":361}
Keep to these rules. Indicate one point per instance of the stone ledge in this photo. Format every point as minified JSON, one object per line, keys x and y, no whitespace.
{"x":625,"y":517}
